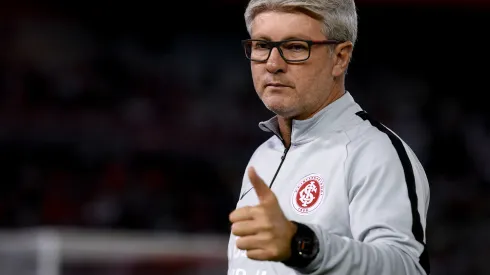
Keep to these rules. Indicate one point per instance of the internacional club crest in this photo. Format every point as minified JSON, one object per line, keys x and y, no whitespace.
{"x":308,"y":194}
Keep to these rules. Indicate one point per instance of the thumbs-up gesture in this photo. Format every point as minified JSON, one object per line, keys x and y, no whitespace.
{"x":263,"y":230}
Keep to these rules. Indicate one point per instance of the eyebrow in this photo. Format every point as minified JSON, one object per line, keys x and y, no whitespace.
{"x":290,"y":37}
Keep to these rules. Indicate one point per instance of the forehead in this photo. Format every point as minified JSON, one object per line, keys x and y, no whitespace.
{"x":276,"y":25}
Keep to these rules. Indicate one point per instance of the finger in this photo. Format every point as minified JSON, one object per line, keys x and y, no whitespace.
{"x":244,"y":228}
{"x":241,"y":214}
{"x":263,"y":191}
{"x":250,"y":242}
{"x":258,"y":254}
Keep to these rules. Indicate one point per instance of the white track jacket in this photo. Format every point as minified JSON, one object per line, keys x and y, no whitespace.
{"x":355,"y":183}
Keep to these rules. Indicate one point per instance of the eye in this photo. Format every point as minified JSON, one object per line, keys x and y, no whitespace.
{"x":297,"y":47}
{"x":260,"y":45}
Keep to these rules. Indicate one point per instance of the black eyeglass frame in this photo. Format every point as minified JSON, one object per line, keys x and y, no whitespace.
{"x":277,"y":44}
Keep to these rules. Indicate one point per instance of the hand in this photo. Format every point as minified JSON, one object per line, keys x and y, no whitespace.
{"x":263,"y":230}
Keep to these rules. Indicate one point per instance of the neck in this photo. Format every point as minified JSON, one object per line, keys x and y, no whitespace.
{"x":285,"y":126}
{"x":286,"y":123}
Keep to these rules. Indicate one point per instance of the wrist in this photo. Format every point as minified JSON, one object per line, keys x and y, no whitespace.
{"x":304,"y":246}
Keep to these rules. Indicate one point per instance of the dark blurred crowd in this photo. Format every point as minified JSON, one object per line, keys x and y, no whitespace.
{"x":110,"y":132}
{"x":114,"y":135}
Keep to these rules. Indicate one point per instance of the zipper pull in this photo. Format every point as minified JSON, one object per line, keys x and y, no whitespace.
{"x":284,"y":153}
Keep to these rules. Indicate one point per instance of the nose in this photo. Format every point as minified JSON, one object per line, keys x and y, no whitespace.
{"x":276,"y":63}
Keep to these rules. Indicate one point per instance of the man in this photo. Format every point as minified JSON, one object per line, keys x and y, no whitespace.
{"x":334,"y":191}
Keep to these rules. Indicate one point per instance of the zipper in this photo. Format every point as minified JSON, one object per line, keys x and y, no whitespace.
{"x":283,"y":157}
{"x":280,"y":164}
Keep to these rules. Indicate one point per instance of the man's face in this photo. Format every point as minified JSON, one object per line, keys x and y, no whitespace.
{"x":292,"y":90}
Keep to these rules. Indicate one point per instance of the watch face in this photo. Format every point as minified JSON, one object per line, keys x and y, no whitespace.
{"x":307,"y":247}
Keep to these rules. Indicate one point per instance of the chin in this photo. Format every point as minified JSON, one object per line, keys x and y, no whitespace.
{"x":281,"y":109}
{"x":279,"y":104}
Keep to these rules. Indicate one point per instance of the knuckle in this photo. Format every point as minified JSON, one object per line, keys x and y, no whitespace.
{"x":273,"y":253}
{"x":271,"y":200}
{"x":250,"y":210}
{"x":253,"y":255}
{"x":257,"y":211}
{"x":267,"y":225}
{"x":266,"y":237}
{"x":239,"y":243}
{"x":235,"y":228}
{"x":271,"y":236}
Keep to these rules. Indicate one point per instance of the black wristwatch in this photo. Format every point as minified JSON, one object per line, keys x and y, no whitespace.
{"x":304,"y":247}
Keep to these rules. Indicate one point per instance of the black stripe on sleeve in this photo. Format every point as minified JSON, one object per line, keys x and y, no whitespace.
{"x":417,"y":229}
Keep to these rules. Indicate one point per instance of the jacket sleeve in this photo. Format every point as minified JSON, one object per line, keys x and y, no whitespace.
{"x":388,"y":206}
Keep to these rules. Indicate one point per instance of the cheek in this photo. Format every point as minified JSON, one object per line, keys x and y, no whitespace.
{"x":256,"y":78}
{"x":312,"y":82}
{"x":305,"y":82}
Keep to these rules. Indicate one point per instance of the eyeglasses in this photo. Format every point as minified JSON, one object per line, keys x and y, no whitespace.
{"x":293,"y":50}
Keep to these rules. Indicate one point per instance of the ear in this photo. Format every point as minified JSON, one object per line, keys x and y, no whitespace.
{"x":341,"y":58}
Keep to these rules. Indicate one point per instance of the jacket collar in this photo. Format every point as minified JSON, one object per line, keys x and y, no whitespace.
{"x":326,"y":120}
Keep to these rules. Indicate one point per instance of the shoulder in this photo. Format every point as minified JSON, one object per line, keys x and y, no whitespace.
{"x":371,"y":142}
{"x":374,"y":150}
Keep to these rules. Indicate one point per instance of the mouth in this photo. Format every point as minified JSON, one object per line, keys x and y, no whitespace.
{"x":276,"y":84}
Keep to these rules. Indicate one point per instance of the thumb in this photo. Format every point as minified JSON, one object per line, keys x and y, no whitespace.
{"x":263,"y":191}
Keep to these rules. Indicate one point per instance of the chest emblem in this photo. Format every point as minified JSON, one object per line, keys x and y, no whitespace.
{"x":308,"y":194}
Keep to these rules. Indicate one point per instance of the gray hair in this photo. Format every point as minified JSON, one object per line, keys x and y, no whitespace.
{"x":339,"y":17}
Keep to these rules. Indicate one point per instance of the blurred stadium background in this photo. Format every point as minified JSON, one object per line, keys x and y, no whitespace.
{"x":125,"y":128}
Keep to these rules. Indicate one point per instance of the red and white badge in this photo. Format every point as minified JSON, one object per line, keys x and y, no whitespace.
{"x":308,"y":194}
